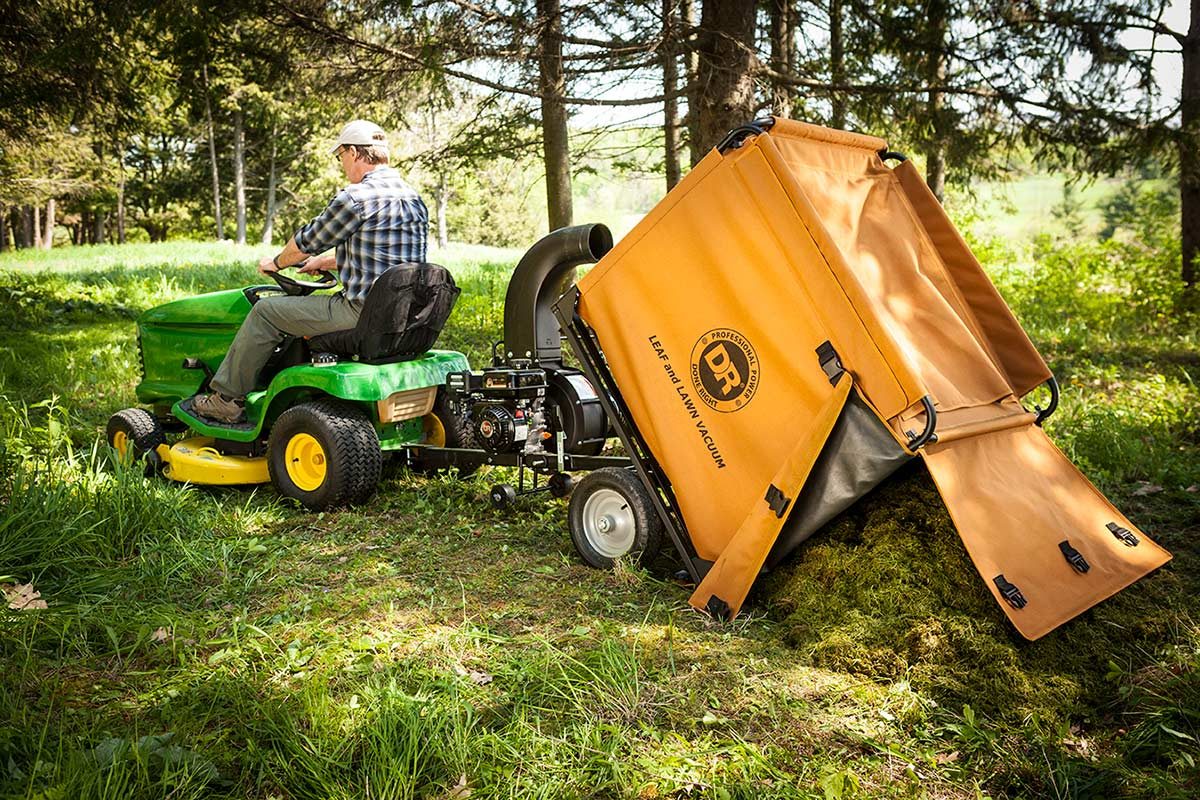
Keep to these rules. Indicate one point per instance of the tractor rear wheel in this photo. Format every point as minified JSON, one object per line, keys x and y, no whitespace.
{"x":324,"y":453}
{"x":134,"y":433}
{"x":443,"y":428}
{"x":612,"y":516}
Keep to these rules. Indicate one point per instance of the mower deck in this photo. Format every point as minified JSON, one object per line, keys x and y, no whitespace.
{"x":196,"y":460}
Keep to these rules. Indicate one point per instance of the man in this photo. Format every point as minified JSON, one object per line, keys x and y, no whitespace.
{"x":375,"y":223}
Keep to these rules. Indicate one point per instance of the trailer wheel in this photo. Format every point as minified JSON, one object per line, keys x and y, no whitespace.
{"x":134,"y":433}
{"x":612,"y":516}
{"x":324,"y":453}
{"x":502,"y":495}
{"x":561,"y":484}
{"x":442,"y":428}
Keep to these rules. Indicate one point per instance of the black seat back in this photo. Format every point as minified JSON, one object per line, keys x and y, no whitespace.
{"x":404,"y":313}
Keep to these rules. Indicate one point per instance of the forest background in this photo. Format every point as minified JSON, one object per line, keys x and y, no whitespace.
{"x":133,"y":120}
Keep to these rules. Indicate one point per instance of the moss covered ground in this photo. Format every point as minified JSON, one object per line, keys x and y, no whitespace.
{"x":201,"y":643}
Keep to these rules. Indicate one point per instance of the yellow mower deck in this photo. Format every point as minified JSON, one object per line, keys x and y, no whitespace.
{"x":195,"y":460}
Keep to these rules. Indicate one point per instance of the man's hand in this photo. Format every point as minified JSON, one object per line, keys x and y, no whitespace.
{"x":267,"y":265}
{"x":320,"y":264}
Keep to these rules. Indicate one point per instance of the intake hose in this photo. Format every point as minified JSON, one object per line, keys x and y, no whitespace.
{"x":546,"y":271}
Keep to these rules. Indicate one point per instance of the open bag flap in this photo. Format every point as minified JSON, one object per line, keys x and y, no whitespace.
{"x":727,"y":583}
{"x":1048,"y":544}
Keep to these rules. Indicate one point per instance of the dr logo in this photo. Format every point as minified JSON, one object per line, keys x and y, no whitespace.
{"x":724,"y":370}
{"x":716,"y":358}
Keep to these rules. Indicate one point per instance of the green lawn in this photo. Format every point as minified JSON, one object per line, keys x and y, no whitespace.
{"x":224,"y":643}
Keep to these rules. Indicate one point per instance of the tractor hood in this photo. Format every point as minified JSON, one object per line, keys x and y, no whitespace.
{"x":228,"y":307}
{"x":200,"y":327}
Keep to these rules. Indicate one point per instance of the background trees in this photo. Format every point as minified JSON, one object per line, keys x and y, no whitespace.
{"x":201,"y":118}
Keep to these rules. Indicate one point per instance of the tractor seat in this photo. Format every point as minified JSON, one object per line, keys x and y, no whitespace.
{"x":401,"y":318}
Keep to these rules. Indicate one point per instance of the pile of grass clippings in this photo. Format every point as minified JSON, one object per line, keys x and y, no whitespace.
{"x":887,"y":590}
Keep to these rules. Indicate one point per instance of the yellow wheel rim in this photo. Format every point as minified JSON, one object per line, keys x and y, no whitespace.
{"x":120,"y":443}
{"x":305,"y":462}
{"x":433,"y":432}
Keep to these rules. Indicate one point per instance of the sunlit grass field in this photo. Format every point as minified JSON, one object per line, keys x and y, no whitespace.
{"x":224,"y":643}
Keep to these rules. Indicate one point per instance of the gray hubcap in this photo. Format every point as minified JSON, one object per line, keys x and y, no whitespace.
{"x":608,"y":523}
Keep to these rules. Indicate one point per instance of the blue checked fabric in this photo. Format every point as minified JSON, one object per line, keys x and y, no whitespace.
{"x":374,"y":224}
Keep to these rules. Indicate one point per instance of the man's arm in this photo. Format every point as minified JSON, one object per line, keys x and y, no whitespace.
{"x":292,"y":254}
{"x":331,"y":227}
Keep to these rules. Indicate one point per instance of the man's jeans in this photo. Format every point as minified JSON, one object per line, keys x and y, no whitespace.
{"x":271,"y":320}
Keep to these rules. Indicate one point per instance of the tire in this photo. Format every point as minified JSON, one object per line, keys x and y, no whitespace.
{"x":324,"y":453}
{"x":135,"y":433}
{"x":561,"y":484}
{"x":443,"y":428}
{"x":502,"y":496}
{"x":612,"y":516}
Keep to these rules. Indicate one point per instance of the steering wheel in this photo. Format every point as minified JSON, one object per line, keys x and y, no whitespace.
{"x":298,"y":288}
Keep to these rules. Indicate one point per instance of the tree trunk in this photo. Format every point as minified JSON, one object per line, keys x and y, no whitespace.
{"x":725,"y":71}
{"x":3,"y":227}
{"x":239,"y":173}
{"x":121,"y":194}
{"x":782,"y":35}
{"x":670,"y":70}
{"x":935,"y":151}
{"x":837,"y":65}
{"x":690,"y":17}
{"x":27,"y":226}
{"x":37,"y":226}
{"x":98,"y":222}
{"x":212,"y":158}
{"x":1189,"y":151}
{"x":48,"y":233}
{"x":269,"y":220}
{"x":443,"y":205}
{"x":555,"y":143}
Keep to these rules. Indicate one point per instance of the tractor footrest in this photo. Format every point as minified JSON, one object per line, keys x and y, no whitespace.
{"x":186,"y":407}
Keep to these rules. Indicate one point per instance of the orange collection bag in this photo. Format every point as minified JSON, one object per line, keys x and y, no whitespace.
{"x":794,"y":321}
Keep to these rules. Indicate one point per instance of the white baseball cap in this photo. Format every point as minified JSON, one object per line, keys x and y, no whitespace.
{"x":361,"y":132}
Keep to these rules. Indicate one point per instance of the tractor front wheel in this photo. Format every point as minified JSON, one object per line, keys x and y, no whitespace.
{"x":324,"y":453}
{"x":134,"y":433}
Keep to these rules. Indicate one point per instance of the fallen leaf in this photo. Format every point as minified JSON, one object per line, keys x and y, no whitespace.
{"x":460,"y":790}
{"x":1195,"y":487}
{"x":478,"y":677}
{"x":160,"y":635}
{"x":1145,"y":488}
{"x":22,"y":597}
{"x":946,"y":758}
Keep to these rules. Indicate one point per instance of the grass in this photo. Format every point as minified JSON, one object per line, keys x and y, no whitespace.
{"x":222,"y":643}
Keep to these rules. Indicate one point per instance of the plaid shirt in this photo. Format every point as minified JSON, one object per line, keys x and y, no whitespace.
{"x":375,"y":225}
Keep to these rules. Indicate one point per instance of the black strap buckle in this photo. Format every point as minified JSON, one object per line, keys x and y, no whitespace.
{"x":1073,"y":556}
{"x":830,"y":362}
{"x":1010,"y":592}
{"x":1124,"y":535}
{"x":777,"y":500}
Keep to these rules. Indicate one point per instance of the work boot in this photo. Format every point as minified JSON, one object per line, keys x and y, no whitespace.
{"x":218,"y":407}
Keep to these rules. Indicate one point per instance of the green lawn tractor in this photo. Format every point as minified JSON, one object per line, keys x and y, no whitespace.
{"x":325,"y":410}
